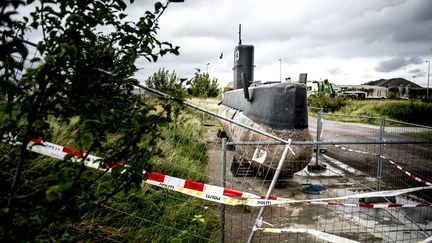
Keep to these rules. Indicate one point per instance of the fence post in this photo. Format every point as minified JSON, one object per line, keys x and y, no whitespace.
{"x":319,"y":127}
{"x":272,"y":185}
{"x":223,"y":184}
{"x":381,"y":151}
{"x":202,"y":114}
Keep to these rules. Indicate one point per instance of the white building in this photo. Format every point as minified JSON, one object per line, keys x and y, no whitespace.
{"x":363,"y":91}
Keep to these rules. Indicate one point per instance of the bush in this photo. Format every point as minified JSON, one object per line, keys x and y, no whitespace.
{"x":325,"y":101}
{"x":408,"y":111}
{"x":202,"y":86}
{"x":83,"y":82}
{"x":167,"y":83}
{"x":402,"y":110}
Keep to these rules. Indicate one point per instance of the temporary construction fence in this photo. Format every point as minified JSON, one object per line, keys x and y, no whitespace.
{"x":345,"y":201}
{"x":332,"y":204}
{"x":354,"y":219}
{"x":329,"y":200}
{"x":395,"y":140}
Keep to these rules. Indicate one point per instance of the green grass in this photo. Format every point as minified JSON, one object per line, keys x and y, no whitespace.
{"x":183,"y":155}
{"x":402,"y":110}
{"x":184,"y":152}
{"x":411,"y":111}
{"x":421,"y":135}
{"x":138,"y":216}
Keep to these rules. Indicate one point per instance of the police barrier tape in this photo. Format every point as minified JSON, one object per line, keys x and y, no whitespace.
{"x":318,"y":234}
{"x":281,"y":201}
{"x":201,"y":190}
{"x":196,"y":189}
{"x":371,"y":205}
{"x":59,"y":152}
{"x":217,"y":194}
{"x":402,"y":169}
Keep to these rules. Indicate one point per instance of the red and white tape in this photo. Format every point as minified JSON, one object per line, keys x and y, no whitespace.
{"x":192,"y":188}
{"x":222,"y":195}
{"x":59,"y":152}
{"x":402,"y":169}
{"x":406,"y":172}
{"x":371,"y":205}
{"x":197,"y":189}
{"x":206,"y":191}
{"x":281,"y":201}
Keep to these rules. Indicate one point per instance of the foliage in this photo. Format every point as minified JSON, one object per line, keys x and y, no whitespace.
{"x":393,"y":93}
{"x":411,"y":93}
{"x":421,"y":135}
{"x":325,"y":101}
{"x":417,"y":93}
{"x":167,"y":83}
{"x":411,"y":111}
{"x":155,"y":211}
{"x":158,"y":209}
{"x":183,"y":147}
{"x":408,"y":111}
{"x":83,"y":83}
{"x":203,"y":86}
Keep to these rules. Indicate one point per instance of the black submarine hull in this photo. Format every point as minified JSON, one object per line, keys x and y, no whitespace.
{"x":279,"y":109}
{"x":280,"y":105}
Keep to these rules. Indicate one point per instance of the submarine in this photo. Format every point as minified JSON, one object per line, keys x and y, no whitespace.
{"x":278,"y":108}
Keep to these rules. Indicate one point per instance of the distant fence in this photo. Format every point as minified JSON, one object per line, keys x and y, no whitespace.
{"x":401,"y":144}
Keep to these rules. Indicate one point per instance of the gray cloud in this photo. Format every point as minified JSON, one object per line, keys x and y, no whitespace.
{"x":355,"y":36}
{"x":334,"y":71}
{"x":396,"y":63}
{"x":414,"y":71}
{"x":418,"y":73}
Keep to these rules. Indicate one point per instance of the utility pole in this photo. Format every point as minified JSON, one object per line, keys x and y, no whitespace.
{"x":427,"y":87}
{"x":280,"y":69}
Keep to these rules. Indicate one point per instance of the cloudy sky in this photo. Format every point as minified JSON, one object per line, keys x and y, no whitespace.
{"x":345,"y":41}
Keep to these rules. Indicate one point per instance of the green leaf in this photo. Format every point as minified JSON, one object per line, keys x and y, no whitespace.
{"x":67,"y":90}
{"x":74,"y":120}
{"x":4,"y":211}
{"x":158,"y":6}
{"x":122,"y":4}
{"x":55,"y":193}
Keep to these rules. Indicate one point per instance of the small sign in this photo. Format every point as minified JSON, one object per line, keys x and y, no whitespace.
{"x":259,"y":155}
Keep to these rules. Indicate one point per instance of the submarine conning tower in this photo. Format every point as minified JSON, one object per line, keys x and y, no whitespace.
{"x":243,"y":64}
{"x":275,"y":104}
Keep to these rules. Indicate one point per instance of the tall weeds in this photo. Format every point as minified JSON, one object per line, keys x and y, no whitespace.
{"x":145,"y":214}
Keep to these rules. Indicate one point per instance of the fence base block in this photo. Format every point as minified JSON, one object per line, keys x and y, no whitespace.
{"x":377,"y":200}
{"x":316,"y":167}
